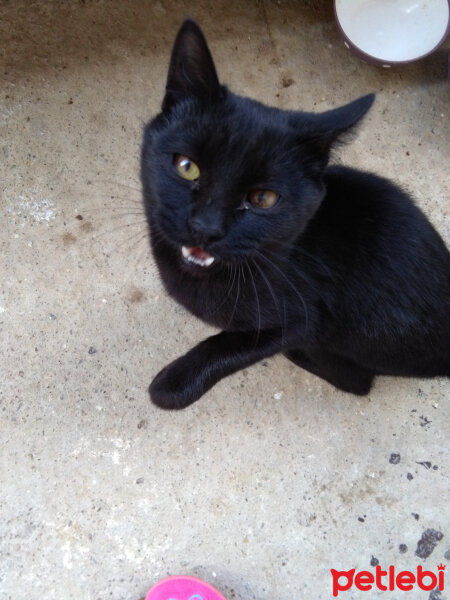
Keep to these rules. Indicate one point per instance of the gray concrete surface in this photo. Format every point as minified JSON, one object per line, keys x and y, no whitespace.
{"x":274,"y":477}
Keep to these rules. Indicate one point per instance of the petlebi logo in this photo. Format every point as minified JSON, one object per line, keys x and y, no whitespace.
{"x":388,"y":580}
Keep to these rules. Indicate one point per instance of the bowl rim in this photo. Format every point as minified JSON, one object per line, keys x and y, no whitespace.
{"x":369,"y":58}
{"x":167,"y":581}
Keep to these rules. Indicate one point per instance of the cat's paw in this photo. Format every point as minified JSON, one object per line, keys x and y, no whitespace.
{"x":172,"y":388}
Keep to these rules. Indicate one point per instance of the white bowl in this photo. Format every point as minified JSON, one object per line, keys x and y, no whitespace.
{"x":389,"y":32}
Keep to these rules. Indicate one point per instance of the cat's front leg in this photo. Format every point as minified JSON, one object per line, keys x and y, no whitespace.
{"x":187,"y":378}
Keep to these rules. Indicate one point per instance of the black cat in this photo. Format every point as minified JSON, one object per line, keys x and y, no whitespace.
{"x":255,"y":234}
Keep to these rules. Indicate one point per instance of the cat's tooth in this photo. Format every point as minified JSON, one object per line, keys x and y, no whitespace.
{"x":201,"y":262}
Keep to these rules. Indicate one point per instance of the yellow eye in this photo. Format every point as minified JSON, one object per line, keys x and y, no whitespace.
{"x":262,"y":198}
{"x":186,"y":168}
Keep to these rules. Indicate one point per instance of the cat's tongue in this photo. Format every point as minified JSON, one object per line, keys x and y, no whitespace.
{"x":197,"y":256}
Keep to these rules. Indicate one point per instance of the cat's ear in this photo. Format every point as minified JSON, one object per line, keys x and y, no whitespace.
{"x":191,"y":71}
{"x":337,"y":121}
{"x":331,"y":126}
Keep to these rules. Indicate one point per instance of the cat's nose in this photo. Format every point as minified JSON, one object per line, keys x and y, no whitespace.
{"x":205,"y":230}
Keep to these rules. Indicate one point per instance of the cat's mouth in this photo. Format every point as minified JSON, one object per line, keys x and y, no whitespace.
{"x":197,"y":256}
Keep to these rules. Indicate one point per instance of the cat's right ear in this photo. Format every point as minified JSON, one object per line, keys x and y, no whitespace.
{"x":191,"y":72}
{"x":327,"y":128}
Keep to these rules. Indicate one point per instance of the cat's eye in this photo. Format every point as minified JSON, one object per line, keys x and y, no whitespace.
{"x":262,"y":198}
{"x":186,"y":168}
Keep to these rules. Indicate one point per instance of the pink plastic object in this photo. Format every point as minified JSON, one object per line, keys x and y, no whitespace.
{"x":180,"y":587}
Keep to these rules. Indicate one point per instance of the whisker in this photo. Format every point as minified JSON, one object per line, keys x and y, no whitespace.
{"x":120,"y":184}
{"x":114,"y":209}
{"x":156,"y":237}
{"x":257,"y":301}
{"x":237,"y":295}
{"x":229,"y":288}
{"x":300,"y":273}
{"x":144,"y":255}
{"x":119,"y":216}
{"x":299,"y":249}
{"x":156,"y":243}
{"x":118,"y":228}
{"x":290,"y":284}
{"x":114,"y":198}
{"x":134,"y":248}
{"x":127,"y":214}
{"x":134,"y":245}
{"x":243,"y":275}
{"x":274,"y":298}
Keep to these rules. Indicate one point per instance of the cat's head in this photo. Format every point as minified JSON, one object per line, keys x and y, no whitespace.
{"x":226,"y":177}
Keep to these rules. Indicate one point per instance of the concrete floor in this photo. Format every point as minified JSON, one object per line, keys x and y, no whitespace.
{"x":274,"y":477}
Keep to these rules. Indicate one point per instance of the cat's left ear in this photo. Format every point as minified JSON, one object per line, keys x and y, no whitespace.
{"x":191,"y":72}
{"x":328,"y":127}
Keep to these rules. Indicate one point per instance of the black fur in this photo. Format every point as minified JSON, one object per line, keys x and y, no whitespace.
{"x":344,"y":275}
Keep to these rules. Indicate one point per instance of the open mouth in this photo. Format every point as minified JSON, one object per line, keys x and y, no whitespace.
{"x":197,"y":256}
